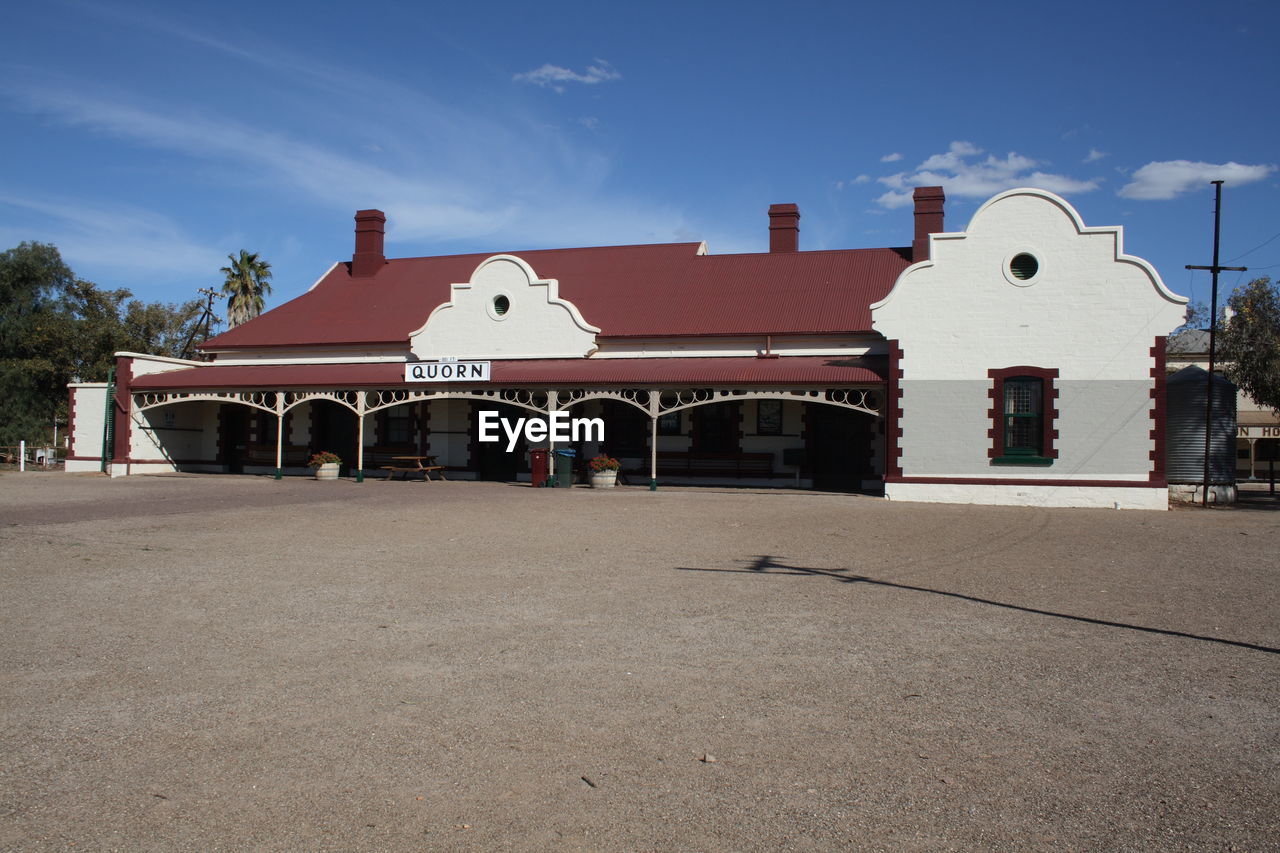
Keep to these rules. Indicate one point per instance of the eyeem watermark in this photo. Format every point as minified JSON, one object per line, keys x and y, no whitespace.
{"x":558,"y":427}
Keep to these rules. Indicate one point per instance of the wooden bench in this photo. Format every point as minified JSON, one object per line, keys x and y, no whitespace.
{"x":413,"y":465}
{"x":291,"y":455}
{"x":687,"y":463}
{"x":425,"y":470}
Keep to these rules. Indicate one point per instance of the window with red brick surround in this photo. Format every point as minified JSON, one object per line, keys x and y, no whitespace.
{"x":1024,"y":414}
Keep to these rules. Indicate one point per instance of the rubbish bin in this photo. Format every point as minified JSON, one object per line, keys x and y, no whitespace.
{"x":538,"y":467}
{"x":564,"y":467}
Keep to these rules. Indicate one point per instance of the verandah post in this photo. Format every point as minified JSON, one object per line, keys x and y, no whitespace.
{"x":359,"y":436}
{"x":654,"y":399}
{"x":553,"y":400}
{"x":279,"y":435}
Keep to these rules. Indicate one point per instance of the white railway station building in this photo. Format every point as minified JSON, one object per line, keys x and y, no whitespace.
{"x":1017,"y":361}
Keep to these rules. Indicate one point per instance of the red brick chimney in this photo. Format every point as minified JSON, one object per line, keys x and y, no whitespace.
{"x":784,"y":228}
{"x":368,"y":258}
{"x":929,"y":201}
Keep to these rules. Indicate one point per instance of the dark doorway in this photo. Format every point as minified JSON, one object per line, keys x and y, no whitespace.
{"x":838,"y":442}
{"x":233,"y":436}
{"x":626,"y":431}
{"x":333,"y":428}
{"x":490,"y":458}
{"x":716,"y":428}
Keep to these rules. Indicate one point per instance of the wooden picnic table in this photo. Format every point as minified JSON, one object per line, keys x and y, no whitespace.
{"x":423,"y":465}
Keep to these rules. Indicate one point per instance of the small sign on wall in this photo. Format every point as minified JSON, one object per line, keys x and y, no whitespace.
{"x":447,"y":371}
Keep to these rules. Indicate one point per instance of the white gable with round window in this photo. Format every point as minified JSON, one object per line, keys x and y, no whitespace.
{"x":1027,"y":282}
{"x":505,"y":311}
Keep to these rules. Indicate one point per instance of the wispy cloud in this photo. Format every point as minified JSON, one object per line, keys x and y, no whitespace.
{"x":126,"y":239}
{"x":1165,"y":179}
{"x":1094,"y":156}
{"x":891,"y":158}
{"x":554,"y":77}
{"x":959,"y":171}
{"x":861,"y":179}
{"x":470,"y":178}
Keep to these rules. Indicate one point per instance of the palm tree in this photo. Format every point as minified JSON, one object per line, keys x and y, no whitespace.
{"x":245,"y":286}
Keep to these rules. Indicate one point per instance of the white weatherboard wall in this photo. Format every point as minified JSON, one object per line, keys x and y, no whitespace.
{"x":534,"y":322}
{"x":88,"y":404}
{"x":1090,"y":311}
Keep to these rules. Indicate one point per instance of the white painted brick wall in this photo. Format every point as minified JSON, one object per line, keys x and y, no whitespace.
{"x":1091,"y":312}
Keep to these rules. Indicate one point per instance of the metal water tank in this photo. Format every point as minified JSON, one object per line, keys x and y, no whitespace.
{"x":1186,"y":392}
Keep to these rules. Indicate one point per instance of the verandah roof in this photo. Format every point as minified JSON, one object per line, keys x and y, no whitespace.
{"x":800,"y":371}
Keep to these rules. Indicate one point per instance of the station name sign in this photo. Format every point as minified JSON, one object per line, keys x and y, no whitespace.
{"x":446,"y":371}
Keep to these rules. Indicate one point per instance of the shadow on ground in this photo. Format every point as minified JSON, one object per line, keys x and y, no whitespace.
{"x":764,"y":564}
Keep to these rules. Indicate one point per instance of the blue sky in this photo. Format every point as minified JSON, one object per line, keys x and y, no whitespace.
{"x":149,"y":140}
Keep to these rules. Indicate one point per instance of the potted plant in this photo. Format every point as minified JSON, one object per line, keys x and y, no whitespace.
{"x":604,"y":472}
{"x":325,"y":465}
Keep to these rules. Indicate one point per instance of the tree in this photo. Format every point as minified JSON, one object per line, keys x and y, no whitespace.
{"x":56,"y":328}
{"x":245,"y":287}
{"x":34,"y":369}
{"x":1249,"y":343}
{"x":161,"y":328}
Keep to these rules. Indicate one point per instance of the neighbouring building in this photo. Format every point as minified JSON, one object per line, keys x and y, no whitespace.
{"x":1018,"y":361}
{"x":1257,"y":427}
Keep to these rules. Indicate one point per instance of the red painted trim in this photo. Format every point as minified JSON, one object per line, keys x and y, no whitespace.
{"x":221,"y":455}
{"x":422,"y":422}
{"x":893,"y":414}
{"x":71,"y":424}
{"x":996,"y":481}
{"x":122,"y":409}
{"x":1159,"y":412}
{"x":1048,"y":407}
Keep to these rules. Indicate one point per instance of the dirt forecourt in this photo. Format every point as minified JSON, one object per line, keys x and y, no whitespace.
{"x":226,"y":663}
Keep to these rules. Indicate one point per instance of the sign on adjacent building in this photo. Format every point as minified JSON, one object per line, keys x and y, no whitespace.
{"x":446,"y":371}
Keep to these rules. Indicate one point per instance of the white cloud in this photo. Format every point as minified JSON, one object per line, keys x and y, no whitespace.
{"x":893,"y":200}
{"x":553,"y":76}
{"x":961,"y":174}
{"x":862,"y":179}
{"x":589,"y":122}
{"x":891,"y":158}
{"x":1166,"y":179}
{"x":1094,"y":156}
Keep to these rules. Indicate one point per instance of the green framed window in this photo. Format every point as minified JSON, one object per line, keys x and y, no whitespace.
{"x":1024,"y":415}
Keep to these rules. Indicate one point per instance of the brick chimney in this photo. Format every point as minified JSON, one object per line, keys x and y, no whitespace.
{"x":784,"y":228}
{"x":929,"y":201}
{"x":368,"y":258}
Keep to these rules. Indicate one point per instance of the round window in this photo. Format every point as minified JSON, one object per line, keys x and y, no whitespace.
{"x":501,"y":305}
{"x":1024,"y":267}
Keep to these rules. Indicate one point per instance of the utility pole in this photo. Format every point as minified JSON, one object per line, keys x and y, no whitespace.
{"x":1213,"y":331}
{"x":206,"y":318}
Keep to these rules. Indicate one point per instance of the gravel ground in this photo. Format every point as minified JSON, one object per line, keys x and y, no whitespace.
{"x":222,"y":663}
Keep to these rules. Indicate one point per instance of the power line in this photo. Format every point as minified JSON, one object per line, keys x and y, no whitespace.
{"x":1256,"y":248}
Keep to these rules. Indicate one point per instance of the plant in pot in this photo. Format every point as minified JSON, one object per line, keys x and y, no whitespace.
{"x":325,"y":465}
{"x":604,"y":472}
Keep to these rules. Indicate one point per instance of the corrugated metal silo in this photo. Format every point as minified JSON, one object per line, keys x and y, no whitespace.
{"x":1184,"y":428}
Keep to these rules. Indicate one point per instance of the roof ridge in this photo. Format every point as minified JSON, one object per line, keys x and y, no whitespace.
{"x":806,"y":252}
{"x":518,"y":252}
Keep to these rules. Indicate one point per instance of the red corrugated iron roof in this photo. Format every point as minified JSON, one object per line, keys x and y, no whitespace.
{"x":800,"y":371}
{"x":627,"y":291}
